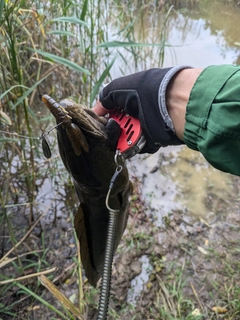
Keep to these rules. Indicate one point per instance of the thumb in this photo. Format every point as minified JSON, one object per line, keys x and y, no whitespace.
{"x":99,"y":109}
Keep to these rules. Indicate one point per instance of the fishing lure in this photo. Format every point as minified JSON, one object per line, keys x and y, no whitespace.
{"x":45,"y":146}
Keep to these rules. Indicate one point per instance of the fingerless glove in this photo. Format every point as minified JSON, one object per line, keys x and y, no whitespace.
{"x":143,"y":95}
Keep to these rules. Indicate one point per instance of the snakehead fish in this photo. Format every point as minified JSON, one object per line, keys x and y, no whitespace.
{"x":88,"y":156}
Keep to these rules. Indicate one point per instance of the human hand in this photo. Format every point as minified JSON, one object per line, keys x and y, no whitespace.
{"x":99,"y":109}
{"x":140,"y":95}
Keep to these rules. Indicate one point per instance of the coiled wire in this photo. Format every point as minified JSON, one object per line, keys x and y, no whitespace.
{"x":109,"y":253}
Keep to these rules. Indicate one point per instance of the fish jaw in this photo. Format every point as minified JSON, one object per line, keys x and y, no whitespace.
{"x":75,"y":119}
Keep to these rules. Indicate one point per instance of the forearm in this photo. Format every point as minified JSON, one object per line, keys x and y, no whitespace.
{"x":177,"y":96}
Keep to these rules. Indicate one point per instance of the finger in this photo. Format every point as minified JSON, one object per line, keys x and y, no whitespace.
{"x":113,"y":131}
{"x":99,"y":109}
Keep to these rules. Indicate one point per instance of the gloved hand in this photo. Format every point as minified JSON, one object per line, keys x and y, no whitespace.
{"x":142,"y":95}
{"x":113,"y":132}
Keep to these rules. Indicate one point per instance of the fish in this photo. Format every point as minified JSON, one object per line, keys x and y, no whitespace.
{"x":87,"y":152}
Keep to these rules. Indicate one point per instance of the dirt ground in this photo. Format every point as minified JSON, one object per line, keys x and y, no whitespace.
{"x":181,"y":269}
{"x":196,"y":257}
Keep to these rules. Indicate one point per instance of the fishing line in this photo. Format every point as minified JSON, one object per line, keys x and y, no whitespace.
{"x":45,"y":146}
{"x":19,"y":135}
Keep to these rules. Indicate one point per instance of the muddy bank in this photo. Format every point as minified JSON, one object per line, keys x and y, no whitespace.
{"x":168,"y":271}
{"x":169,"y":264}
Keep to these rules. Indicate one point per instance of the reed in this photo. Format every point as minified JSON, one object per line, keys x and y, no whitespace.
{"x":65,"y":49}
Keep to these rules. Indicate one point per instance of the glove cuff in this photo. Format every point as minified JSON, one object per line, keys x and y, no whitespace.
{"x":154,"y":116}
{"x":162,"y":95}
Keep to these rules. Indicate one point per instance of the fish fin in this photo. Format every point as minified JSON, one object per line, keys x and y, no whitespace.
{"x":80,"y":228}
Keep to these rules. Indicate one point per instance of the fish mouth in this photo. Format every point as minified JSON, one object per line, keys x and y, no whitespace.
{"x":78,"y":121}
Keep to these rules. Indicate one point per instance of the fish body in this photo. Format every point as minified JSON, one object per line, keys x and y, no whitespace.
{"x":88,"y":156}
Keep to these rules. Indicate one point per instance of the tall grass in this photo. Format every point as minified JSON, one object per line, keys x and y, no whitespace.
{"x":65,"y":49}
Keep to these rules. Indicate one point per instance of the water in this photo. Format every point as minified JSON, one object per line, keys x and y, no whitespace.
{"x":207,"y":34}
{"x":184,"y":180}
{"x":204,"y":37}
{"x":138,"y":282}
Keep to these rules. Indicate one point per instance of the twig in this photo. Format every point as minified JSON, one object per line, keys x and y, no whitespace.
{"x":196,"y":295}
{"x":29,"y":276}
{"x":2,"y":264}
{"x":167,"y":297}
{"x":64,"y":275}
{"x":80,"y":285}
{"x":205,"y":222}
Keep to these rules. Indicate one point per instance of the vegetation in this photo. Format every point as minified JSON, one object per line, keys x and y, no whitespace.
{"x":66,"y":48}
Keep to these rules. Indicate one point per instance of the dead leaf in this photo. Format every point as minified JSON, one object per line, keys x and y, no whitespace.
{"x":33,"y":308}
{"x":219,"y":309}
{"x":202,"y":250}
{"x":60,"y":296}
{"x":196,"y":312}
{"x":5,"y":118}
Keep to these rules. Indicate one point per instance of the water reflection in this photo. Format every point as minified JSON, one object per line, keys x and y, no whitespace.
{"x":205,"y":35}
{"x":200,"y":36}
{"x":177,"y":178}
{"x":200,"y":187}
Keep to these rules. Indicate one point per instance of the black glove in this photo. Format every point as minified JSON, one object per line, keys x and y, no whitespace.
{"x":142,"y":95}
{"x":113,"y":132}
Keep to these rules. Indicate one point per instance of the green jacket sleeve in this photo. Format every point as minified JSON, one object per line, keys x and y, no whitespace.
{"x":213,"y":117}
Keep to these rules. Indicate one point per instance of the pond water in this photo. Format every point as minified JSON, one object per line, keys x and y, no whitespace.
{"x":182,"y":179}
{"x":208,"y":35}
